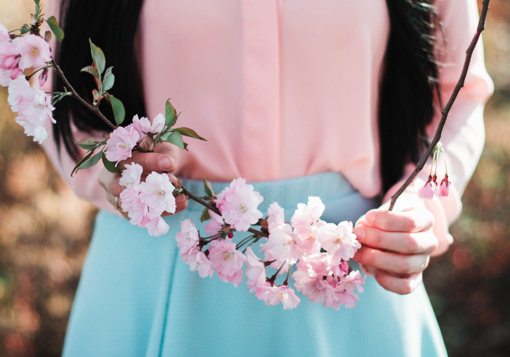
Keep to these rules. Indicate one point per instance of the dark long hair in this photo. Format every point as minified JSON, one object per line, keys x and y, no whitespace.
{"x":406,"y":96}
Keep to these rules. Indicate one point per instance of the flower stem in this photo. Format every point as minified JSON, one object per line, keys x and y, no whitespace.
{"x":446,"y":110}
{"x":89,"y":106}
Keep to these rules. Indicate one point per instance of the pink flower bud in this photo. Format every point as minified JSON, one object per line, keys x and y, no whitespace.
{"x":231,"y":235}
{"x":9,"y":56}
{"x":444,"y":189}
{"x":344,"y":266}
{"x":43,"y":77}
{"x":15,"y":73}
{"x":427,"y":191}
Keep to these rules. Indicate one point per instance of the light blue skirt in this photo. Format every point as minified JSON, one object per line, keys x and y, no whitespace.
{"x":136,"y":297}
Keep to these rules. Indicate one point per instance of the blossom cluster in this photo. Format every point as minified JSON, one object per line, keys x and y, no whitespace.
{"x":319,"y":250}
{"x":32,"y":104}
{"x":123,"y":140}
{"x":145,"y":201}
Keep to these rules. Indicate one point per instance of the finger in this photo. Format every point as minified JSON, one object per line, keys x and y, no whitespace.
{"x":150,"y":161}
{"x":110,"y":182}
{"x":405,"y":285}
{"x":396,"y":263}
{"x":408,"y":243}
{"x":414,"y":220}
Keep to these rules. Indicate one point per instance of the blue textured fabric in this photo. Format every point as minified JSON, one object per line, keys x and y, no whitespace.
{"x":137,"y":298}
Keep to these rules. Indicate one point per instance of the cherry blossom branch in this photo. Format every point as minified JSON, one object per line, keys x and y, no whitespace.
{"x":446,"y":110}
{"x":217,"y":211}
{"x":87,"y":105}
{"x":90,"y":107}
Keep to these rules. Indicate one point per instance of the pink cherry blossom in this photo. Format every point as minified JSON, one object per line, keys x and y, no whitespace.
{"x":308,"y":214}
{"x":215,"y":225}
{"x":255,"y":271}
{"x":309,"y":276}
{"x":156,"y":225}
{"x":348,"y":300}
{"x":9,"y":56}
{"x":134,"y":206}
{"x":333,"y":296}
{"x":37,"y":131}
{"x":187,"y":238}
{"x":121,"y":143}
{"x":35,"y":109}
{"x":4,"y":34}
{"x":309,"y":237}
{"x":157,"y":193}
{"x":426,"y":190}
{"x":227,"y":261}
{"x":444,"y":188}
{"x":238,"y":205}
{"x":131,"y":175}
{"x":19,"y":89}
{"x":351,"y":282}
{"x":145,"y":126}
{"x":283,"y":244}
{"x":197,"y":260}
{"x":34,"y":51}
{"x":16,"y":72}
{"x":275,"y":216}
{"x":339,"y":241}
{"x":5,"y":77}
{"x":273,"y":295}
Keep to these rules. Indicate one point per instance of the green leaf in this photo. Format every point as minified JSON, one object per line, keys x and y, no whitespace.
{"x":209,"y":191}
{"x":91,"y":161}
{"x":110,"y":166}
{"x":24,"y":29}
{"x":89,"y":143}
{"x":37,"y":8}
{"x":118,"y":110}
{"x":189,"y":132}
{"x":57,"y":31}
{"x":98,"y":57}
{"x":170,"y":114}
{"x":205,"y":215}
{"x":109,"y":80}
{"x":76,"y":168}
{"x":176,"y":139}
{"x":92,"y":70}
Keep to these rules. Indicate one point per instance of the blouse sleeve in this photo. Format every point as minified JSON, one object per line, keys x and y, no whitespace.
{"x":463,"y":135}
{"x":84,"y":183}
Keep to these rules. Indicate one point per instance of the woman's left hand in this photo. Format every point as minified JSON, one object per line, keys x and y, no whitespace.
{"x":396,"y":246}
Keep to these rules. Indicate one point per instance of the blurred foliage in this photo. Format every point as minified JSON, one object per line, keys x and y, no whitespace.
{"x":45,"y":231}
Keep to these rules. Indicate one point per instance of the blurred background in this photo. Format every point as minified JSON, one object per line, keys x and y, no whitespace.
{"x":45,"y":230}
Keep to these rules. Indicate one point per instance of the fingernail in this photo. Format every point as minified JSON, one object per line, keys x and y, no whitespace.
{"x":360,"y":233}
{"x":166,"y":163}
{"x":356,"y":255}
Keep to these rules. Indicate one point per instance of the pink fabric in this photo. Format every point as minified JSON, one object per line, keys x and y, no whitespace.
{"x":289,"y":88}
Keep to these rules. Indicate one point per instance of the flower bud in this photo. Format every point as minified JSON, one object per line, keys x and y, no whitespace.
{"x":43,"y":77}
{"x":427,"y":191}
{"x":444,"y":188}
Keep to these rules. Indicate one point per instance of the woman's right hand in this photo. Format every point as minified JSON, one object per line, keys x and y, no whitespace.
{"x":164,"y":159}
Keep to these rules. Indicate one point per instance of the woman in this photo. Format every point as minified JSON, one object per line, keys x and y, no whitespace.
{"x":302,"y":98}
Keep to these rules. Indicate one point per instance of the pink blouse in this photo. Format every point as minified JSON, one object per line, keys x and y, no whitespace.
{"x":290,"y":88}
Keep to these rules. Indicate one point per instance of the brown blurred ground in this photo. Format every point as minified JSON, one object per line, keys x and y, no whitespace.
{"x":45,"y":231}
